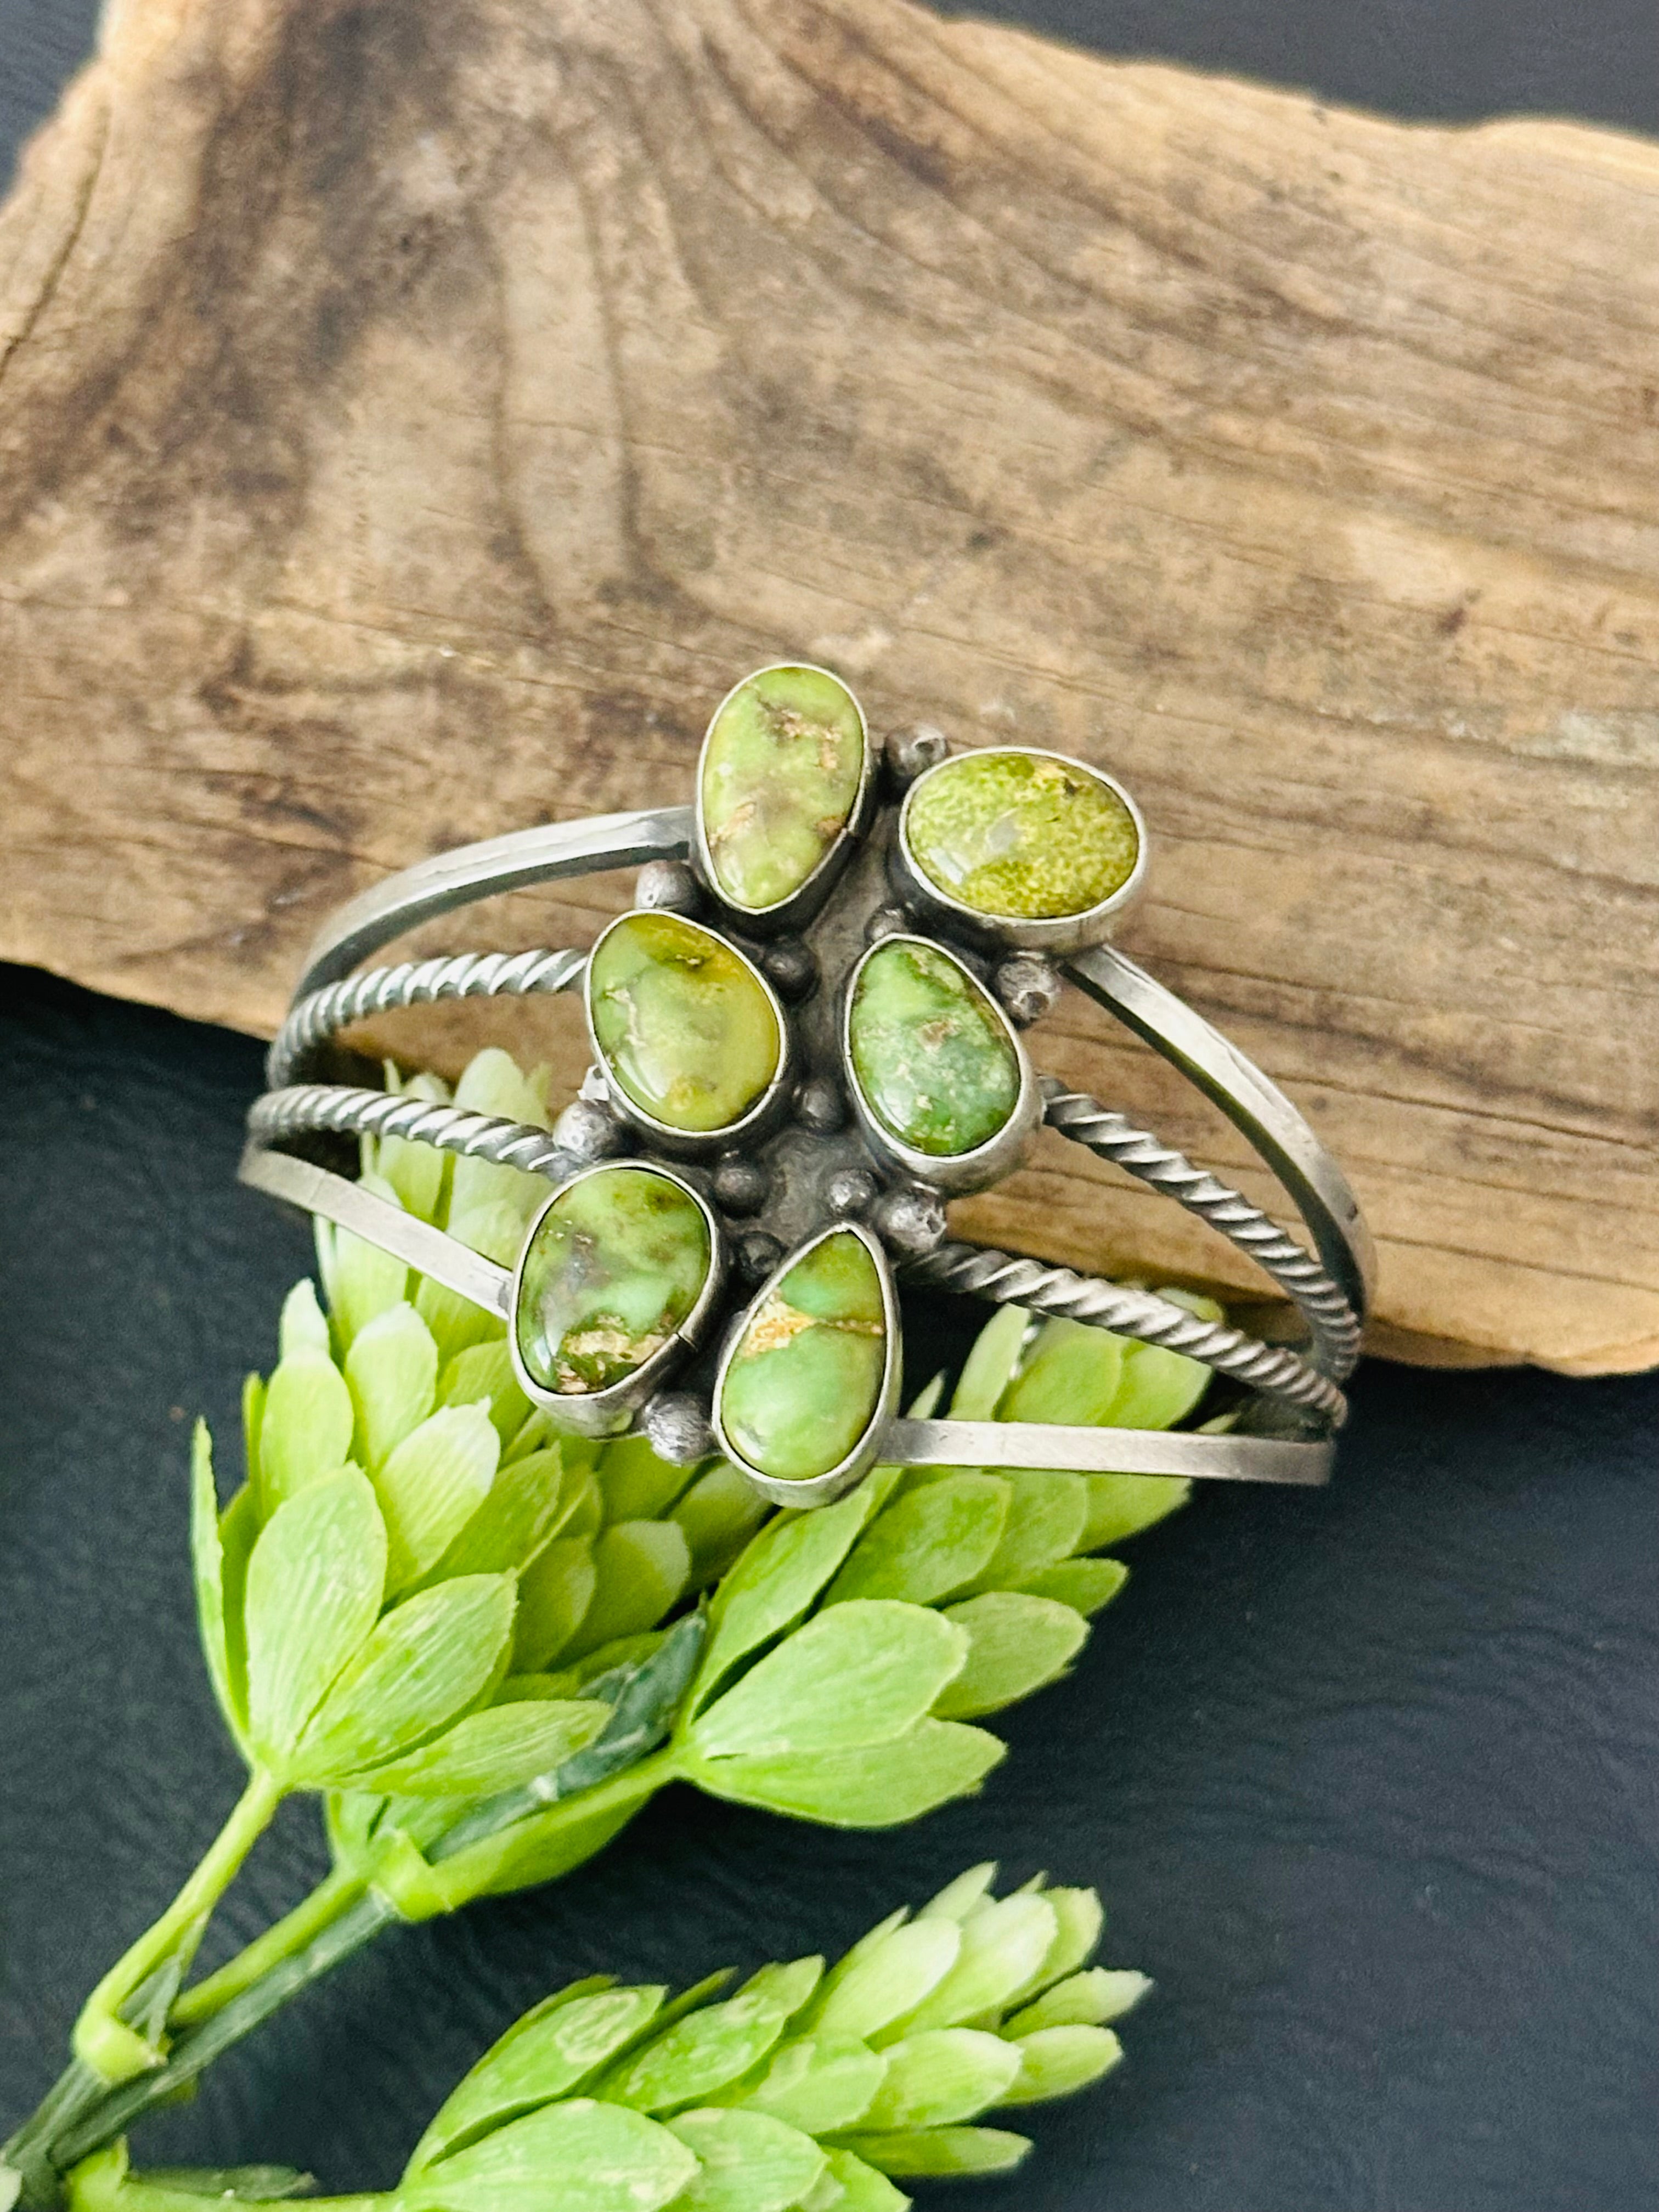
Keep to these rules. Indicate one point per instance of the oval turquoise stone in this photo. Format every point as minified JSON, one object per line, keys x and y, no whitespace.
{"x":804,"y":1382}
{"x":613,"y":1270}
{"x":682,"y":1021}
{"x":782,"y":767}
{"x":1021,"y":836}
{"x":932,"y":1053}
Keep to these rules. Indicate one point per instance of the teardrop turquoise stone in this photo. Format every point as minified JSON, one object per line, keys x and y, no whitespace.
{"x":1021,"y":836}
{"x":804,"y":1382}
{"x":781,"y":768}
{"x":613,"y":1270}
{"x":932,"y":1055}
{"x":682,"y":1021}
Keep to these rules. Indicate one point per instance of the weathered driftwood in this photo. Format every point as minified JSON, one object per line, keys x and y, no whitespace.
{"x":414,"y":416}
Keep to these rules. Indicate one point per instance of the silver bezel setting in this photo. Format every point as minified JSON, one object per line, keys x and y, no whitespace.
{"x":1057,"y":934}
{"x":609,"y":1412}
{"x":805,"y":900}
{"x":835,"y":1481}
{"x":768,"y":1108}
{"x":952,"y":1174}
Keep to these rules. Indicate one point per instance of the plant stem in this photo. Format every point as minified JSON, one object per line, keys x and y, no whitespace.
{"x":335,"y":1894}
{"x":102,"y":2040}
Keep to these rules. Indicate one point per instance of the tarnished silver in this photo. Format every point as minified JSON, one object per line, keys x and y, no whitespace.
{"x":1028,"y":986}
{"x":1333,"y":1324}
{"x":319,"y":1016}
{"x":611,"y":1412}
{"x":834,"y":1481}
{"x":1058,"y":935}
{"x":1231,"y":1458}
{"x":914,"y":749}
{"x":953,"y":1174}
{"x":677,"y":1428}
{"x":671,"y":884}
{"x":310,"y":1109}
{"x":588,"y":1131}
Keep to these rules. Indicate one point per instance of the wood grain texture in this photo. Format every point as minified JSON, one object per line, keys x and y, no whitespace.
{"x":412,"y":418}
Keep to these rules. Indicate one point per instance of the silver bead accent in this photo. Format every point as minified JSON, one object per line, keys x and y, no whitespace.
{"x":912,"y":751}
{"x":594,"y":1088}
{"x":740,"y":1185}
{"x":819,"y":1105}
{"x":790,"y":966}
{"x":911,"y":1222}
{"x":886,"y":921}
{"x":1029,"y":987}
{"x":757,"y":1255}
{"x":676,"y":1426}
{"x":668,"y":883}
{"x":851,"y":1192}
{"x":591,"y":1131}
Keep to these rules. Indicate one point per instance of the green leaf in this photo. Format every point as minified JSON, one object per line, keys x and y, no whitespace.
{"x":418,"y":1173}
{"x":207,"y":1559}
{"x":482,"y":1373}
{"x":554,"y":1593}
{"x":689,"y":2061}
{"x":776,"y":1580}
{"x":492,"y":1083}
{"x":1085,"y":1585}
{"x":990,"y":1365}
{"x":635,"y":1484}
{"x":426,"y":1661}
{"x":1002,"y":1947}
{"x":525,"y":1505}
{"x":1078,"y":1922}
{"x":751,"y":2162}
{"x":500,"y":1748}
{"x":884,"y":1976}
{"x":431,"y":1484}
{"x":314,"y":1583}
{"x":935,"y":2152}
{"x":393,"y":1369}
{"x":305,"y":1426}
{"x":1056,"y":2061}
{"x":718,"y":1513}
{"x":239,"y":1531}
{"x":1019,"y":1643}
{"x":547,"y":2054}
{"x":1083,"y":2000}
{"x":1071,"y":1375}
{"x":303,"y":1326}
{"x":861,"y":1674}
{"x":969,"y":1893}
{"x":861,"y":2188}
{"x":250,"y":2185}
{"x":1045,"y":1523}
{"x":575,"y":2157}
{"x":361,"y":1280}
{"x":640,"y":1569}
{"x":928,"y":1543}
{"x":817,"y":2082}
{"x":942,"y":2076}
{"x":1121,"y":1505}
{"x":1160,"y":1387}
{"x":877,"y":1786}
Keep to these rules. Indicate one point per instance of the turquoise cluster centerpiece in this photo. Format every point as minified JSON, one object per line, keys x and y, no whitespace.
{"x":807,"y":1038}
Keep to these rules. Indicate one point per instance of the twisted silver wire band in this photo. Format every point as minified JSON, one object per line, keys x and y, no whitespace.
{"x":338,"y":1109}
{"x":412,"y":983}
{"x":335,"y":1110}
{"x":1333,"y":1323}
{"x":1008,"y":1279}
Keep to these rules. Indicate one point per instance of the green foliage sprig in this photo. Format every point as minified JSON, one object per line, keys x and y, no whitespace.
{"x":485,"y":1647}
{"x":804,"y":2091}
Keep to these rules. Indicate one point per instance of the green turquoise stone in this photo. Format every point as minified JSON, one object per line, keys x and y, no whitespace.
{"x":615,"y":1267}
{"x":1021,"y":836}
{"x":804,"y":1382}
{"x":682,"y":1021}
{"x":781,"y":771}
{"x":932,"y":1055}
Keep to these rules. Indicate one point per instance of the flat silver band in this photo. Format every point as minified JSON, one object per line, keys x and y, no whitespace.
{"x":1228,"y":1458}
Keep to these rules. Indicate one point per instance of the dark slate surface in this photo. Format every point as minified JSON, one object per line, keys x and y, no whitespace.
{"x":1368,"y":1779}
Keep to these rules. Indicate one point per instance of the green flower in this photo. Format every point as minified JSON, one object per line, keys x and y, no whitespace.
{"x":803,"y":2091}
{"x":486,"y":1647}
